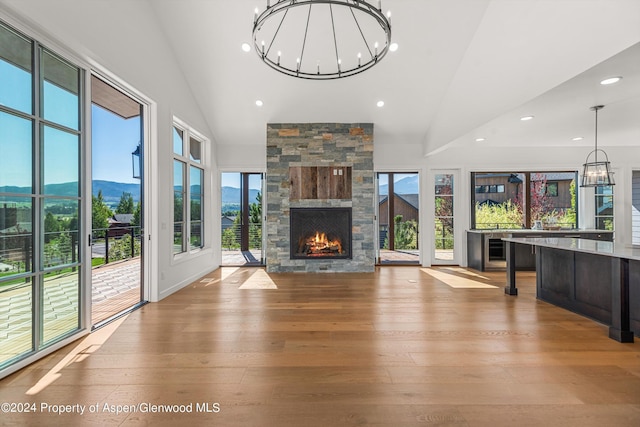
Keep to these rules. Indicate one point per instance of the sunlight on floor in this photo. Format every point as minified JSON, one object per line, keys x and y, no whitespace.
{"x":454,"y":281}
{"x":87,"y":345}
{"x":466,"y":272}
{"x":227,"y":271}
{"x":259,"y":280}
{"x":209,"y":281}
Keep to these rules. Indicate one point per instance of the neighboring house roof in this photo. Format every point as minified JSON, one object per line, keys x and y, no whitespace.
{"x":492,"y":175}
{"x":21,"y":227}
{"x":558,"y":176}
{"x":411,"y":199}
{"x":514,"y":178}
{"x":121,"y":219}
{"x":228,"y":220}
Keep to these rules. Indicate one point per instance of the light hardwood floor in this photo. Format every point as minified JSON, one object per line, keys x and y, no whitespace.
{"x":403,"y":346}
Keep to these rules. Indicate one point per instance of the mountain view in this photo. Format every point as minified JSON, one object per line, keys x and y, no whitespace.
{"x":231,"y":197}
{"x":233,"y":194}
{"x":408,"y":185}
{"x":69,"y":189}
{"x":112,"y":191}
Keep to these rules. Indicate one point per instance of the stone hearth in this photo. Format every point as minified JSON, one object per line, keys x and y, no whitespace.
{"x":334,"y":145}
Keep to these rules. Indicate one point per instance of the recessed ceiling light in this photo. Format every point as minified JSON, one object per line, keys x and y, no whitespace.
{"x":525,"y":118}
{"x":259,"y":103}
{"x":611,"y":80}
{"x":393,"y":47}
{"x":577,"y":138}
{"x":479,"y":139}
{"x":246,"y":47}
{"x":380,"y":104}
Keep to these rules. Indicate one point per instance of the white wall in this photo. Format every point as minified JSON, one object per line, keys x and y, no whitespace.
{"x":390,"y":156}
{"x":122,"y":39}
{"x":242,"y":158}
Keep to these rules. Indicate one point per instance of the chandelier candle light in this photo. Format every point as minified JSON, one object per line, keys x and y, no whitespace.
{"x":597,"y":173}
{"x":321,"y":39}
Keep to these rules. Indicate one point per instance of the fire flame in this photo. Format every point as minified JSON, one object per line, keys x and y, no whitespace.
{"x":320,"y":244}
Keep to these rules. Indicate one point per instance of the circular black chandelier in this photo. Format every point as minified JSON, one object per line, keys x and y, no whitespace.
{"x":321,"y":39}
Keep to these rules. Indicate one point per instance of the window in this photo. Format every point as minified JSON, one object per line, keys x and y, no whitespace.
{"x":517,"y":199}
{"x":552,"y":189}
{"x":443,"y":219}
{"x":188,"y":190}
{"x":635,"y":208}
{"x":490,"y":188}
{"x":40,"y":197}
{"x":604,"y":207}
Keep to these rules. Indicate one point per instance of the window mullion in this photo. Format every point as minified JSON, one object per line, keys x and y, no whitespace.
{"x":186,"y":236}
{"x":36,"y":214}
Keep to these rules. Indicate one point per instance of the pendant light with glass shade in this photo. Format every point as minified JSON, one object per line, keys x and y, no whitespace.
{"x":597,"y":173}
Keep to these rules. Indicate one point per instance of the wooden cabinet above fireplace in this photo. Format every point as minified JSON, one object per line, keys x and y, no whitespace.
{"x":320,"y":182}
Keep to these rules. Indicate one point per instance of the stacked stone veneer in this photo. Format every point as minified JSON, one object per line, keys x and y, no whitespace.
{"x":320,"y":144}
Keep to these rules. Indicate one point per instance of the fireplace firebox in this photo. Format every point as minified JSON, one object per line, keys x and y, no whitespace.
{"x":320,"y":233}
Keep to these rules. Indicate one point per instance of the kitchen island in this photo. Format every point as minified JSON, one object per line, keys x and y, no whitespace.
{"x":487,"y":251}
{"x":596,"y":279}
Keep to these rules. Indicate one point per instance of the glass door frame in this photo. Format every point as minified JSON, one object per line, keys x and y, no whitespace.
{"x":457,"y":217}
{"x":245,"y":186}
{"x":390,"y":172}
{"x":147,"y":246}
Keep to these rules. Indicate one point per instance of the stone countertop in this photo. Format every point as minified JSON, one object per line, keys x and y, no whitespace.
{"x":531,"y":230}
{"x":596,"y":247}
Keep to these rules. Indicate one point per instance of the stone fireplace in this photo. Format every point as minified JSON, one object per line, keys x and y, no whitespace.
{"x":320,"y":180}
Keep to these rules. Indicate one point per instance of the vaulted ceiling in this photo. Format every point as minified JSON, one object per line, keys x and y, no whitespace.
{"x":464,"y":69}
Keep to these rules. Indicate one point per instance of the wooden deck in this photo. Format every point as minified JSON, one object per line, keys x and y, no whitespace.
{"x":404,"y":346}
{"x":115,"y":288}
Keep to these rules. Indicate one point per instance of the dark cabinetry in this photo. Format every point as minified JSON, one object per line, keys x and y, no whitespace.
{"x":485,"y":250}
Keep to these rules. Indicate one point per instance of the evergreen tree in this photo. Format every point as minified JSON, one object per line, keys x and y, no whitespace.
{"x":255,"y":210}
{"x":125,"y":205}
{"x":255,"y":223}
{"x":100,"y":213}
{"x":51,"y":227}
{"x":137,"y":213}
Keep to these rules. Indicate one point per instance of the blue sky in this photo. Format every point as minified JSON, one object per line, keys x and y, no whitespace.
{"x":232,"y":179}
{"x":114,"y":138}
{"x":113,"y":141}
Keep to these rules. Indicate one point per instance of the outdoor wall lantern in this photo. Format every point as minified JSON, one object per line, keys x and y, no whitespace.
{"x":136,"y":165}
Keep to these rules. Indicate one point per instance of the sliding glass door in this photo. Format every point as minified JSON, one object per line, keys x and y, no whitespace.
{"x":117,"y":247}
{"x":398,"y":216}
{"x":443,"y":226}
{"x":242,"y":219}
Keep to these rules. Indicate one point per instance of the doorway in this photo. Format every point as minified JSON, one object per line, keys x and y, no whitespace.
{"x":398,"y":199}
{"x":443,"y":226}
{"x":242,"y":219}
{"x":117,"y":247}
